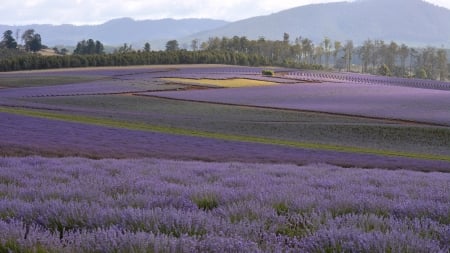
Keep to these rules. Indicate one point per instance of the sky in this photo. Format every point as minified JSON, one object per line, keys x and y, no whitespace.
{"x":80,"y":12}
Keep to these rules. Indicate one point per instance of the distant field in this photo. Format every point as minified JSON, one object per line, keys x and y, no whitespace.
{"x":380,"y":101}
{"x":133,"y":99}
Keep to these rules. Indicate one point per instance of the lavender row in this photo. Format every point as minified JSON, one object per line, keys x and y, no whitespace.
{"x":97,"y":71}
{"x":395,"y":102}
{"x":109,"y":205}
{"x":367,"y":79}
{"x":89,"y":88}
{"x":28,"y":135}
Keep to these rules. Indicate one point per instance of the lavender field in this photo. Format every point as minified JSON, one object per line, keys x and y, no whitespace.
{"x":158,"y":159}
{"x":148,"y":205}
{"x":296,"y":109}
{"x":380,"y":101}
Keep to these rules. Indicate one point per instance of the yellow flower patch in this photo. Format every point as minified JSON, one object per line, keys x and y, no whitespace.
{"x":225,"y":83}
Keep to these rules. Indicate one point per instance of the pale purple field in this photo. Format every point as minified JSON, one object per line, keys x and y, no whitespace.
{"x":380,"y":101}
{"x":148,"y":205}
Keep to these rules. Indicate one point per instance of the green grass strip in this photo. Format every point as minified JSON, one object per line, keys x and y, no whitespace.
{"x":221,"y":136}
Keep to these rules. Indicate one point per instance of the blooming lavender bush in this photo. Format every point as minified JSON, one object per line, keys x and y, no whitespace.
{"x":148,"y":205}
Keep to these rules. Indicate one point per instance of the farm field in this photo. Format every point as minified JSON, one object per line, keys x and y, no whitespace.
{"x":149,"y":205}
{"x":222,"y":159}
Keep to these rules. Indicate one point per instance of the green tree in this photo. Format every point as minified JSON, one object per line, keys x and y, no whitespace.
{"x":384,"y":70}
{"x":172,"y":45}
{"x":337,"y":49}
{"x":348,"y":50}
{"x":32,"y":40}
{"x":8,"y":40}
{"x":442,"y":63}
{"x":366,"y":54}
{"x":99,"y":48}
{"x":147,"y":47}
{"x":88,"y":47}
{"x":422,"y":73}
{"x":327,"y":50}
{"x":403,"y":53}
{"x":36,"y":43}
{"x":125,"y":49}
{"x":391,"y":54}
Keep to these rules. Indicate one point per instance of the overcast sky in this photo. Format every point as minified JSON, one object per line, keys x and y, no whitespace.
{"x":98,"y":11}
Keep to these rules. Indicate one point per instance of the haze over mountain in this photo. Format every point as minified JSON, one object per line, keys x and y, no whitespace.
{"x":414,"y":22}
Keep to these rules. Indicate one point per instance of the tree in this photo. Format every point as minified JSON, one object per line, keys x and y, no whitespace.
{"x":147,"y":47}
{"x":286,"y":38}
{"x":384,"y":70}
{"x":8,"y":40}
{"x":89,"y":47}
{"x":348,"y":50}
{"x":327,"y":50}
{"x":391,"y":55}
{"x":125,"y":49}
{"x":99,"y":48}
{"x":36,"y":43}
{"x":172,"y":45}
{"x":337,"y":48}
{"x":442,"y":64}
{"x":194,"y":44}
{"x":32,"y":40}
{"x":403,"y":53}
{"x":366,"y":54}
{"x":308,"y":49}
{"x":318,"y":53}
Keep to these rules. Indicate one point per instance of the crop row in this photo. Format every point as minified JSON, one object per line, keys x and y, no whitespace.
{"x":146,"y":204}
{"x":112,"y":139}
{"x":394,"y":102}
{"x":367,"y":79}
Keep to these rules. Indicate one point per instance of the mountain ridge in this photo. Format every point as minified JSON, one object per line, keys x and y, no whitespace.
{"x":413,"y":22}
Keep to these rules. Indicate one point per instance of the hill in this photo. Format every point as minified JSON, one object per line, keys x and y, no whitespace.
{"x":119,"y":31}
{"x":414,"y":22}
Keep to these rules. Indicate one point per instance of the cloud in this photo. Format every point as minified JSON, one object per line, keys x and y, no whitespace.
{"x":99,"y":11}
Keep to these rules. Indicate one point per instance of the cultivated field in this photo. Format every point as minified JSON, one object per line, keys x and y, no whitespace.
{"x":73,"y":205}
{"x":270,"y":152}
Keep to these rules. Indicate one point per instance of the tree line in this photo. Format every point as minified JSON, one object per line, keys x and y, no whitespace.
{"x":373,"y":56}
{"x":37,"y":61}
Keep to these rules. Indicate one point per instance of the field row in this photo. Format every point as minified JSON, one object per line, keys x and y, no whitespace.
{"x":318,"y":76}
{"x":378,"y":101}
{"x":66,"y":135}
{"x":73,"y":204}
